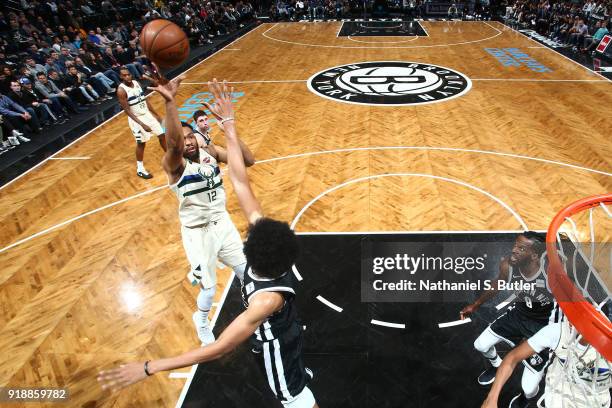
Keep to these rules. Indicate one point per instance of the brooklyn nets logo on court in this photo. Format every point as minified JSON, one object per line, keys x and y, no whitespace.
{"x":392,"y":83}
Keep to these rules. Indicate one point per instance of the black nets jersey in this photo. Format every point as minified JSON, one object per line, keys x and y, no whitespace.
{"x":278,"y":341}
{"x":283,"y":321}
{"x":534,"y":301}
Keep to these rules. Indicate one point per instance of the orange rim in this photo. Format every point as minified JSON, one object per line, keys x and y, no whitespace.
{"x":593,"y":326}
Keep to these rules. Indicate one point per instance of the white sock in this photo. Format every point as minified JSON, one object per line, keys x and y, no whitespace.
{"x":140,"y":167}
{"x":493,"y":357}
{"x":205,"y":301}
{"x":496,"y":362}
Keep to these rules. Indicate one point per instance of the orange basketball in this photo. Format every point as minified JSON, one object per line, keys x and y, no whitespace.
{"x":164,"y":43}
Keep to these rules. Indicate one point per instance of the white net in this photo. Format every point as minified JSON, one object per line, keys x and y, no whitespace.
{"x":578,"y":377}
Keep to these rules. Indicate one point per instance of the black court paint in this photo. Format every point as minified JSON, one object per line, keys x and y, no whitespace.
{"x":355,"y":363}
{"x":382,"y":29}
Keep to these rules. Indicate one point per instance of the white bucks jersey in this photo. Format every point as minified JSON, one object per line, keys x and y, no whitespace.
{"x":135,"y":98}
{"x":200,"y":191}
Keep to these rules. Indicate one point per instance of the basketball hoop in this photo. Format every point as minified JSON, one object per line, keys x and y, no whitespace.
{"x":578,"y":253}
{"x":582,"y":308}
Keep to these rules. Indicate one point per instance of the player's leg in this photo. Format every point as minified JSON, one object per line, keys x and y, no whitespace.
{"x":281,"y":361}
{"x":156,"y":129}
{"x":485,"y":343}
{"x":201,"y":249}
{"x":141,"y":171}
{"x":231,"y":252}
{"x":500,"y":330}
{"x":534,"y":370}
{"x":535,"y":366}
{"x":142,"y":137}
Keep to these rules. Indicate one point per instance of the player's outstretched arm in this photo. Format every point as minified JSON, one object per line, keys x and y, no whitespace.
{"x":261,"y":306}
{"x":505,"y":370}
{"x":249,"y":157}
{"x":172,"y":161}
{"x":489,"y":294}
{"x":224,"y":112}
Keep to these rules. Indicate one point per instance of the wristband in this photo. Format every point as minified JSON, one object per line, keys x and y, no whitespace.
{"x":146,"y":368}
{"x":226,"y":120}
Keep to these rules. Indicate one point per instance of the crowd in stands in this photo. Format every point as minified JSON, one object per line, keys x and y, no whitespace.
{"x":577,"y":24}
{"x":61,"y":57}
{"x":296,"y":10}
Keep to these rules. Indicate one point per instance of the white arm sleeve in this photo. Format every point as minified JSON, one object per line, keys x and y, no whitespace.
{"x":548,"y":337}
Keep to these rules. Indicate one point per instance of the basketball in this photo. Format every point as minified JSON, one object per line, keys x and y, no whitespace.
{"x":164,"y":43}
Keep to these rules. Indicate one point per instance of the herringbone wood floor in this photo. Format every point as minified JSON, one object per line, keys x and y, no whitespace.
{"x":109,"y":287}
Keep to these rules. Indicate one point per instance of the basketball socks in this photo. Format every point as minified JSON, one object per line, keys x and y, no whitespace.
{"x":141,"y":168}
{"x":200,"y":317}
{"x":493,"y":357}
{"x":204,"y":301}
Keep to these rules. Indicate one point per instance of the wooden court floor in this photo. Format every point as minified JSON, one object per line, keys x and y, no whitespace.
{"x":92,"y":265}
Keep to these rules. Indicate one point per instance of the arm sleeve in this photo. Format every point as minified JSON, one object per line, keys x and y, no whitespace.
{"x":548,"y":337}
{"x":6,"y":104}
{"x":42,"y":90}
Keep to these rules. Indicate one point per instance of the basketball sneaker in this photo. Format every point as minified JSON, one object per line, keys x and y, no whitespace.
{"x":144,"y":175}
{"x":487,"y":377}
{"x":202,"y":325}
{"x":520,"y":401}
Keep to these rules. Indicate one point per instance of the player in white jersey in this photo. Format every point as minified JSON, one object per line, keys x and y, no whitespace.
{"x":143,"y":120}
{"x":271,"y":249}
{"x":194,"y":175}
{"x":590,"y":390}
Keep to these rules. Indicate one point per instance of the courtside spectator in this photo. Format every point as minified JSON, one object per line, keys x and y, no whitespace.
{"x":18,"y":116}
{"x":31,"y":103}
{"x":49,"y":90}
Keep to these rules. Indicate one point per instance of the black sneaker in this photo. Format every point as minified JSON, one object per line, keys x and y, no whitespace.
{"x":487,"y":376}
{"x":145,"y":176}
{"x":520,"y":401}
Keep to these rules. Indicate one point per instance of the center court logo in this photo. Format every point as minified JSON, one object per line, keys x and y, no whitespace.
{"x":389,"y":83}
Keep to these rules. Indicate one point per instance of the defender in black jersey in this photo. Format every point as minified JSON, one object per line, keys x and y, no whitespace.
{"x":530,"y":312}
{"x":268,"y":291}
{"x":277,"y":342}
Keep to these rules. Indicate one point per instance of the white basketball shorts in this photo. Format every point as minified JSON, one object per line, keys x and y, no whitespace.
{"x":217,"y":240}
{"x":139,"y":133}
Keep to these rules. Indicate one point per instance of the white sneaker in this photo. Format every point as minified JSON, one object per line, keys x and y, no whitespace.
{"x":17,"y":133}
{"x":23,"y":138}
{"x":203,"y":329}
{"x":13,"y":141}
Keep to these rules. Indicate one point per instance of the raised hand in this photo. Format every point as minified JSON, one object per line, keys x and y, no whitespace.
{"x":467,"y":311}
{"x":222,"y":107}
{"x":124,"y":375}
{"x":167,"y":89}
